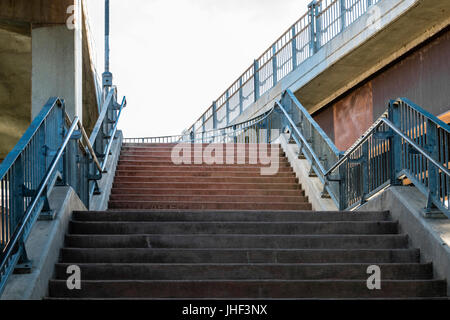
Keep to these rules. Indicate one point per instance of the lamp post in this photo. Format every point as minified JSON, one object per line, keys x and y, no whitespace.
{"x":107,"y":75}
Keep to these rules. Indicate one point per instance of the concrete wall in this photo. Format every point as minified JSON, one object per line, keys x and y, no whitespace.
{"x":39,"y":58}
{"x":15,"y":87}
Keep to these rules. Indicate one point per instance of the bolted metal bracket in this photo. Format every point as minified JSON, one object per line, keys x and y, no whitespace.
{"x":325,"y":194}
{"x":48,"y":152}
{"x":383,"y":135}
{"x":76,"y":135}
{"x":107,"y":79}
{"x":312,"y":173}
{"x":24,"y":264}
{"x":413,"y":151}
{"x":96,"y":189}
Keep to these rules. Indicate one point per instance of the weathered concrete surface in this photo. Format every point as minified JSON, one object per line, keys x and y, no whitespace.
{"x":15,"y":88}
{"x":57,"y":69}
{"x":359,"y":52}
{"x":35,"y":11}
{"x":313,"y":186}
{"x":100,"y":202}
{"x":431,"y":236}
{"x":43,"y":246}
{"x":54,"y":60}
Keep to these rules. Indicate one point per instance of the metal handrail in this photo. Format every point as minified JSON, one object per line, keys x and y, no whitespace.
{"x":302,"y":137}
{"x":323,"y":21}
{"x":86,"y":139}
{"x":398,"y":132}
{"x":12,"y":245}
{"x":215,"y":132}
{"x":41,"y":156}
{"x":113,"y":134}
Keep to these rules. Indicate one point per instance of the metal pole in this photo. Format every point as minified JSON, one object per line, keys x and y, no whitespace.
{"x":107,"y":75}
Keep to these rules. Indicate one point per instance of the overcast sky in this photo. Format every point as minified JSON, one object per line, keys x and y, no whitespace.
{"x":172,"y":58}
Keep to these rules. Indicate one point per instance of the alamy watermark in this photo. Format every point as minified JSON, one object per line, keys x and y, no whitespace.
{"x":374,"y":281}
{"x":73,"y":282}
{"x":264,"y":154}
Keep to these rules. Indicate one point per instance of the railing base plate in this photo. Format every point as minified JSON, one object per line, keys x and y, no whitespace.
{"x":47,"y":215}
{"x":23,"y":268}
{"x":433,"y":214}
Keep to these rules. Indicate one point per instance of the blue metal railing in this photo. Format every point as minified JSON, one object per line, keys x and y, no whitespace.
{"x":323,"y":21}
{"x":406,"y":145}
{"x":54,"y":149}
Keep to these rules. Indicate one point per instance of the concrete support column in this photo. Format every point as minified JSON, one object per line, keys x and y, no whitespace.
{"x":57,"y":65}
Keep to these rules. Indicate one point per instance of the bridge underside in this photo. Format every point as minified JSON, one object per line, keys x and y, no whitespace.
{"x":18,"y":20}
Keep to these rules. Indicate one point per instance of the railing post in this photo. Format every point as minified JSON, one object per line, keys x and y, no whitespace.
{"x":241,"y":97}
{"x":433,"y":173}
{"x":317,"y":11}
{"x":312,"y":27}
{"x":192,"y":134}
{"x":256,"y":79}
{"x":365,"y":171}
{"x":395,"y":143}
{"x":274,"y":65}
{"x":203,"y":128}
{"x":214,"y":114}
{"x":294,"y":48}
{"x":369,"y":3}
{"x":343,"y":186}
{"x":227,"y":97}
{"x":343,"y":11}
{"x":17,"y":193}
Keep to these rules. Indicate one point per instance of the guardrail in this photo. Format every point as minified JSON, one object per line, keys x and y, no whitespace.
{"x":406,"y":145}
{"x":54,"y":150}
{"x":409,"y":145}
{"x":324,"y":20}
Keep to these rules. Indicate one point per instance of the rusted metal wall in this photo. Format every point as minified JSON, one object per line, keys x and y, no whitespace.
{"x":423,"y":76}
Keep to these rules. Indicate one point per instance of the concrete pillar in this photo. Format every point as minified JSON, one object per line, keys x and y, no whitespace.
{"x":57,"y":65}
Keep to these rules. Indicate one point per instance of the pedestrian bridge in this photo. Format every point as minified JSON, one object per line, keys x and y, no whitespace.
{"x":328,"y":155}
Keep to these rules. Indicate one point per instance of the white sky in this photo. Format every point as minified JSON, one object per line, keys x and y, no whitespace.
{"x":173,"y":58}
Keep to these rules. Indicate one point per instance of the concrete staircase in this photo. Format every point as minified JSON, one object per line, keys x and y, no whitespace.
{"x":212,"y":246}
{"x":146,"y":178}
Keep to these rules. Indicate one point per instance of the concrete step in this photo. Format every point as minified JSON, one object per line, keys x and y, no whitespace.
{"x":248,"y":289}
{"x":236,"y":216}
{"x":156,"y":163}
{"x":204,"y":161}
{"x":169,"y":255}
{"x":217,"y":180}
{"x":156,"y":146}
{"x":168,"y":155}
{"x":208,"y":185}
{"x":263,"y":228}
{"x":209,"y":198}
{"x":211,"y":192}
{"x":185,"y":271}
{"x":399,"y":241}
{"x":198,"y":173}
{"x":201,"y":205}
{"x":125,"y":166}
